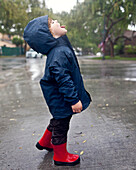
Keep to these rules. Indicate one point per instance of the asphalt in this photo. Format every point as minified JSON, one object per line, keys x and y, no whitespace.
{"x":104,"y":135}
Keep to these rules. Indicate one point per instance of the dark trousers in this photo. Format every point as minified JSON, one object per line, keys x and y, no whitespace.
{"x":59,"y":129}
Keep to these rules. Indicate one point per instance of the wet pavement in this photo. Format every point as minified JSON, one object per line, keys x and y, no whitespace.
{"x":104,"y":134}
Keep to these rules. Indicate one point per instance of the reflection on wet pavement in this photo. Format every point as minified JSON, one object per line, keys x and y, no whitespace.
{"x":109,"y":70}
{"x":36,"y":69}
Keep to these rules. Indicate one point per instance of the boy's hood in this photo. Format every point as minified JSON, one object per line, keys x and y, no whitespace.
{"x":38,"y":36}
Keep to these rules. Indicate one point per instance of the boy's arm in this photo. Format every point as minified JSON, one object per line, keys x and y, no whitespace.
{"x":65,"y":83}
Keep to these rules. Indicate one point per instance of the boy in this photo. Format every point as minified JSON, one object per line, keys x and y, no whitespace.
{"x":62,"y":85}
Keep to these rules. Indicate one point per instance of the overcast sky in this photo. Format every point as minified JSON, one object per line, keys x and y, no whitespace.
{"x":61,"y":5}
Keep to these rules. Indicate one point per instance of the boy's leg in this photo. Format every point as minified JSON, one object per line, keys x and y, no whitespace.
{"x":60,"y":130}
{"x":62,"y":126}
{"x":50,"y":126}
{"x":45,"y":141}
{"x":59,"y":140}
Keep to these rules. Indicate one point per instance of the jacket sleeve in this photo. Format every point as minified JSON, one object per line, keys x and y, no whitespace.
{"x":66,"y":85}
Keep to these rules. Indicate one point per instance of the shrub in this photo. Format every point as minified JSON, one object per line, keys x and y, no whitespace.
{"x":17,"y":41}
{"x":118,"y":49}
{"x":130,"y":49}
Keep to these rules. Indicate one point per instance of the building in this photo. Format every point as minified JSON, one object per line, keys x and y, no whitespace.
{"x":5,"y":40}
{"x":131,"y":52}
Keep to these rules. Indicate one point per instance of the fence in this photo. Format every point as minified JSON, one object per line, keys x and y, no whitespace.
{"x":14,"y":51}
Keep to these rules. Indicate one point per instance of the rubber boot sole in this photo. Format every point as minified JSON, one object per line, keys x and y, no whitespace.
{"x":67,"y":163}
{"x":38,"y":146}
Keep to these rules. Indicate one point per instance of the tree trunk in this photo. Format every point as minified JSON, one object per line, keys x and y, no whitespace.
{"x":111,"y":48}
{"x":25,"y":47}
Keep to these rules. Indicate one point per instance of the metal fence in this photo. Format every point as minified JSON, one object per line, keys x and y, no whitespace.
{"x":14,"y":51}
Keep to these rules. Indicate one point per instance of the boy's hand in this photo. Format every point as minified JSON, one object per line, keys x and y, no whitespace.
{"x":77,"y":107}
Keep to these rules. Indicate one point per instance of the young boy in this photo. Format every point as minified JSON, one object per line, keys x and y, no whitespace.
{"x":62,"y":85}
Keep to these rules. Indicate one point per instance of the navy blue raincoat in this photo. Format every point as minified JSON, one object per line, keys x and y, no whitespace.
{"x":62,"y":84}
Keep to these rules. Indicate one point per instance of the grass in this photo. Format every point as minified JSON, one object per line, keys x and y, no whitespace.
{"x":114,"y":58}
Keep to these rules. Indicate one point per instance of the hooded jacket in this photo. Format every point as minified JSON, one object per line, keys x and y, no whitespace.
{"x":62,"y":84}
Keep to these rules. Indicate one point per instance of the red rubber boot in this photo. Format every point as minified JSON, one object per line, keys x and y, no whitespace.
{"x":63,"y":158}
{"x":45,"y":141}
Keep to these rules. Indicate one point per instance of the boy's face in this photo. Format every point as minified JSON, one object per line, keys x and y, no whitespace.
{"x":57,"y":30}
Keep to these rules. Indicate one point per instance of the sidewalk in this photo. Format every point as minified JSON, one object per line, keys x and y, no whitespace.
{"x":104,"y":134}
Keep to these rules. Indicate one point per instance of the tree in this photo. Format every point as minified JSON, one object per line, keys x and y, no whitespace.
{"x":85,"y":22}
{"x":17,"y":41}
{"x":118,"y":14}
{"x":13,"y":16}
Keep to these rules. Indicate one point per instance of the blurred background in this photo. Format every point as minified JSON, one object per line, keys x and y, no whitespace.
{"x":104,"y":29}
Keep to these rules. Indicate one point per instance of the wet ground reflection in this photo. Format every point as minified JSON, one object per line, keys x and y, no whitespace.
{"x":89,"y":68}
{"x":110,"y":71}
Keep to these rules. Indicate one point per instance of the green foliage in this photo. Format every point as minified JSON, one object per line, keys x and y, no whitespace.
{"x":85,"y":23}
{"x":118,"y":48}
{"x":130,"y":49}
{"x":115,"y":58}
{"x":17,"y":41}
{"x":15,"y":14}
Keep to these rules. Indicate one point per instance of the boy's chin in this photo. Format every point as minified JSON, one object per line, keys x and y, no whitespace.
{"x":64,"y":32}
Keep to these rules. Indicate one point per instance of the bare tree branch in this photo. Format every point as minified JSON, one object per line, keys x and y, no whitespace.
{"x":121,"y":36}
{"x":113,"y":23}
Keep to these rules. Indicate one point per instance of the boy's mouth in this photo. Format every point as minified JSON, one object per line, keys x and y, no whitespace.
{"x":63,"y":26}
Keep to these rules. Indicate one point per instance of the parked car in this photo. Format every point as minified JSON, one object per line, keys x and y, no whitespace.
{"x":78,"y":53}
{"x":33,"y":54}
{"x":99,"y":54}
{"x":0,"y":50}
